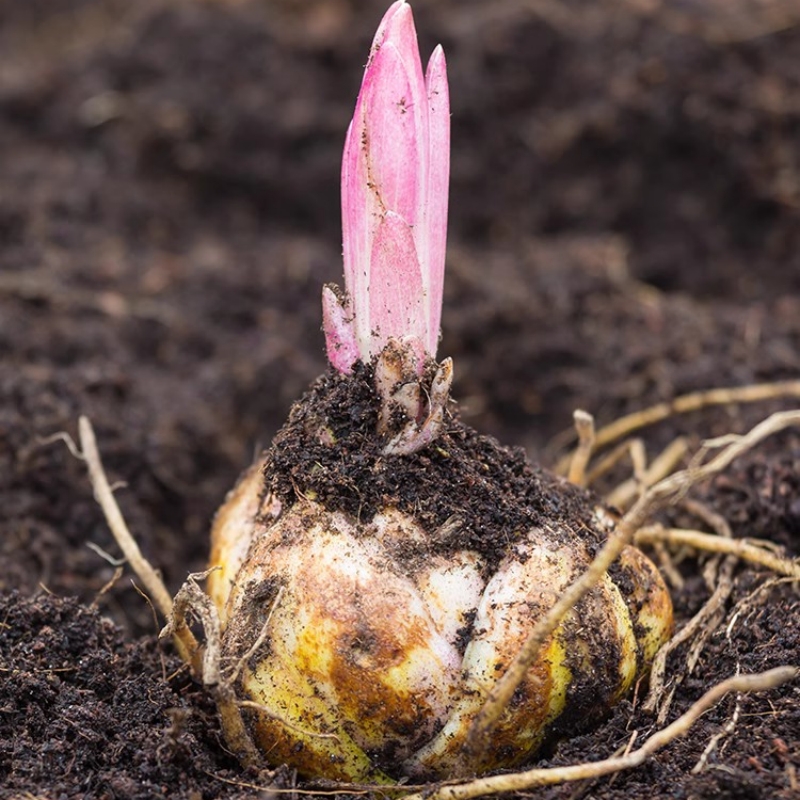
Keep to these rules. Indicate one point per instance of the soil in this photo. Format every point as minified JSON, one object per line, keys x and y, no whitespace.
{"x":625,"y":228}
{"x":328,"y":449}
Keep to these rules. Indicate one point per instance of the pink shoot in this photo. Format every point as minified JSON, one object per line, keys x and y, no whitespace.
{"x":395,"y":174}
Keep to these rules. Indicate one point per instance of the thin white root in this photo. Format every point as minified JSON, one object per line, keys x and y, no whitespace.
{"x":746,"y":549}
{"x":698,"y":629}
{"x":660,"y":467}
{"x":607,"y":462}
{"x":749,"y":603}
{"x":184,"y":640}
{"x":713,"y":743}
{"x":105,"y":497}
{"x":667,"y":566}
{"x":684,"y":404}
{"x":520,"y":781}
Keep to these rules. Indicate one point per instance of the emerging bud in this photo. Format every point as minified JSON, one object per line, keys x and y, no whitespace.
{"x":395,"y":174}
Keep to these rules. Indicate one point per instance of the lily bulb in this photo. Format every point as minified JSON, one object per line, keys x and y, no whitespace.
{"x":380,"y":566}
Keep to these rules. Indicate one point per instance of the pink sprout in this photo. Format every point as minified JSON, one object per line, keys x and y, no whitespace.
{"x":395,"y":173}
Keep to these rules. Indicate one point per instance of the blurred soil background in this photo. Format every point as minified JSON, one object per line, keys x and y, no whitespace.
{"x":624,"y":228}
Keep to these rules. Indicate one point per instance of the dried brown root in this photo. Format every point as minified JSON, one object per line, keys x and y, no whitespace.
{"x":192,"y":601}
{"x":625,"y":426}
{"x":520,"y":781}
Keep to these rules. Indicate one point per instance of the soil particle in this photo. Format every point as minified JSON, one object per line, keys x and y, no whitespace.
{"x":86,"y":714}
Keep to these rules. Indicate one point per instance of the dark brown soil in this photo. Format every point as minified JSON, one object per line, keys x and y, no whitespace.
{"x":494,"y":493}
{"x":625,"y":227}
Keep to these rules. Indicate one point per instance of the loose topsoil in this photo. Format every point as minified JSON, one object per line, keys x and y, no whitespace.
{"x":625,"y":228}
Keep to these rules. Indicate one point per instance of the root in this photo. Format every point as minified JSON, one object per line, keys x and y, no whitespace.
{"x":667,"y":566}
{"x":105,"y":497}
{"x":191,"y":599}
{"x":752,"y":601}
{"x":727,"y":730}
{"x":749,"y":550}
{"x":684,"y":404}
{"x":584,"y":426}
{"x":654,"y":489}
{"x":700,"y":628}
{"x":645,"y":477}
{"x":185,"y":641}
{"x":520,"y":781}
{"x":106,"y":588}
